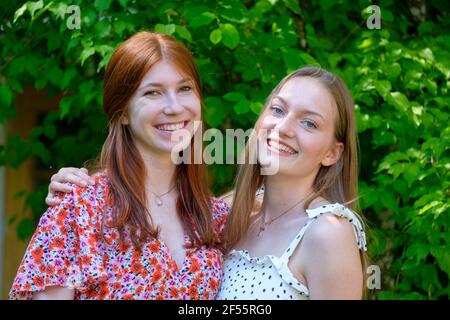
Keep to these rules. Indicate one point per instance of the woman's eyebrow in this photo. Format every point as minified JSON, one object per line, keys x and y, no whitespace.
{"x":157,"y":84}
{"x":303,"y":111}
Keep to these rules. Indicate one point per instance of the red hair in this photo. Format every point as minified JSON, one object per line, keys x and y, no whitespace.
{"x":121,"y":159}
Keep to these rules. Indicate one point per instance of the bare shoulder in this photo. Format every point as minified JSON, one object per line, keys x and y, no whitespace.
{"x":329,"y":233}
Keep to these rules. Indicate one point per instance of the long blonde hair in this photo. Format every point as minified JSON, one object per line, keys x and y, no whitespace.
{"x":336,"y":183}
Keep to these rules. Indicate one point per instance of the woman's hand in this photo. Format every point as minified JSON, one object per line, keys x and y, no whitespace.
{"x":77,"y":176}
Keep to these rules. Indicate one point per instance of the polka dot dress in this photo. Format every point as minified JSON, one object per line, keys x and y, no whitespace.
{"x":268,"y":277}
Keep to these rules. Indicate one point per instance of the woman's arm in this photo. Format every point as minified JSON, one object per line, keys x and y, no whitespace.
{"x":76,"y":176}
{"x":333,"y":266}
{"x":55,"y":293}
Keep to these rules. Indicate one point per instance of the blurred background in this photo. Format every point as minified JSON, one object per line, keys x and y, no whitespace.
{"x":394,"y":56}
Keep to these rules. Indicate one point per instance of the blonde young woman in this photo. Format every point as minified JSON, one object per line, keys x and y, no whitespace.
{"x":304,"y":241}
{"x":301,"y":239}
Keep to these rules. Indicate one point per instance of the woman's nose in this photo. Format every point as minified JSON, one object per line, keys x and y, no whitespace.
{"x":285,"y":127}
{"x":173,"y":106}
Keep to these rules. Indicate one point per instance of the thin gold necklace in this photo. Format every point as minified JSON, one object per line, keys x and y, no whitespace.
{"x":158,"y":197}
{"x":265,"y":224}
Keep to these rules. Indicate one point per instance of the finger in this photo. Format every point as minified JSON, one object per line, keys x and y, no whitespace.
{"x":84,"y":174}
{"x":58,"y":187}
{"x":74,"y":178}
{"x":51,"y":201}
{"x":62,"y":173}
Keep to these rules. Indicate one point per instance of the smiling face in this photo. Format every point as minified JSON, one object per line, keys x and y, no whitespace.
{"x":164,"y":104}
{"x":297,"y":128}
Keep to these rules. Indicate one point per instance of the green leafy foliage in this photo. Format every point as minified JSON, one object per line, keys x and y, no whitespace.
{"x":398,"y":75}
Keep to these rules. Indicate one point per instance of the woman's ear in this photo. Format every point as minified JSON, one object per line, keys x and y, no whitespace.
{"x":333,"y":155}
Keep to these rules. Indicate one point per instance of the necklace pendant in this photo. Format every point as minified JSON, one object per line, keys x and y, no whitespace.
{"x":158,"y":201}
{"x":262,"y":228}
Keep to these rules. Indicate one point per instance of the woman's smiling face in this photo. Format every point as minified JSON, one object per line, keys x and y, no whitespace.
{"x":298,"y":128}
{"x":164,"y":104}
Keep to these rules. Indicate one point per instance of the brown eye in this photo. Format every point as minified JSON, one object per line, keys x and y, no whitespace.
{"x":151,"y":93}
{"x":185,"y":88}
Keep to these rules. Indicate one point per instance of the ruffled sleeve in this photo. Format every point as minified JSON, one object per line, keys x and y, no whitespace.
{"x":343,"y":212}
{"x":64,"y":250}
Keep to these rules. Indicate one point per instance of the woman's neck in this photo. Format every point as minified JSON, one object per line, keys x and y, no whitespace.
{"x":282,"y":192}
{"x":160,"y":172}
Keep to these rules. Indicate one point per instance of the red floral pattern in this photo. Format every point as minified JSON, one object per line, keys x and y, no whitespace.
{"x":68,"y":250}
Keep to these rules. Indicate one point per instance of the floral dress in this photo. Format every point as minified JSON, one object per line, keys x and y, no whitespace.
{"x":68,"y":250}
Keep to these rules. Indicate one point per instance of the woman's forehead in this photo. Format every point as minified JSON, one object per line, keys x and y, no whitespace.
{"x":307,"y":92}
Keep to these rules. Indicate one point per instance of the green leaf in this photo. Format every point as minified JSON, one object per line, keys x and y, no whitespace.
{"x":383,"y":87}
{"x":19,"y":12}
{"x":86,"y":53}
{"x":203,"y":19}
{"x":6,"y":96}
{"x":308,"y":59}
{"x":398,"y":100}
{"x":230,"y":35}
{"x":64,"y":106}
{"x":34,"y":6}
{"x":294,"y":6}
{"x":39,"y":150}
{"x":215,"y":36}
{"x":102,"y":28}
{"x":68,"y":75}
{"x":418,"y":250}
{"x":184,"y":33}
{"x":292,"y":59}
{"x":102,"y":5}
{"x":163,"y":28}
{"x":25,"y":229}
{"x":123,"y":3}
{"x":442,"y":256}
{"x":387,"y":15}
{"x":428,"y":207}
{"x":242,"y":106}
{"x":215,"y":111}
{"x":234,"y":96}
{"x":256,"y":107}
{"x":411,"y":173}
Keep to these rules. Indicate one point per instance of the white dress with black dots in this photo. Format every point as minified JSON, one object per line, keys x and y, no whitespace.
{"x":269,"y":278}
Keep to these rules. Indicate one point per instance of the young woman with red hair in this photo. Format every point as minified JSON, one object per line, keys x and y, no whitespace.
{"x":145,"y":228}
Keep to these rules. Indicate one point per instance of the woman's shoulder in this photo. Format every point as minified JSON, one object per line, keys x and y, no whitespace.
{"x":83,"y":202}
{"x":334,"y":225}
{"x":91,"y":192}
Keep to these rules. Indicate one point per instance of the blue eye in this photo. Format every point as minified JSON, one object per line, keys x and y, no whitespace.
{"x":309,"y":124}
{"x":277,"y":111}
